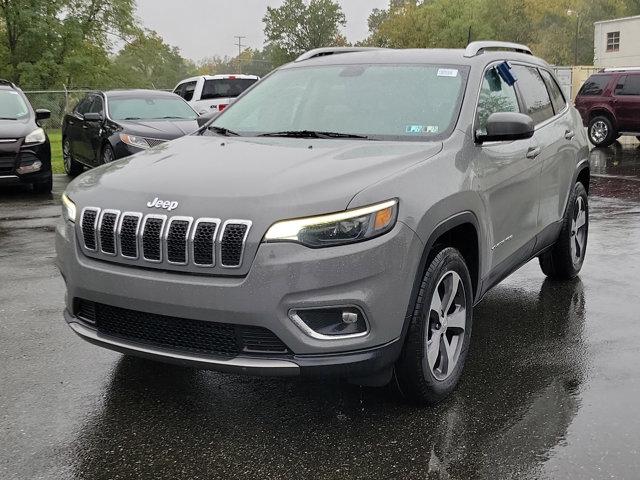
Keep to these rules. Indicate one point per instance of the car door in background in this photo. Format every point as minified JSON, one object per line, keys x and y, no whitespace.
{"x":626,"y":103}
{"x":92,"y":131}
{"x":74,"y":123}
{"x":508,"y":176}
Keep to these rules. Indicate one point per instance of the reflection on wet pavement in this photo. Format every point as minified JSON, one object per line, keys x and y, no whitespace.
{"x":550,"y":390}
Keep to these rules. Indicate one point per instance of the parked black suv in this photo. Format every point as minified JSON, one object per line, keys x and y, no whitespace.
{"x":25,"y":152}
{"x":107,"y":126}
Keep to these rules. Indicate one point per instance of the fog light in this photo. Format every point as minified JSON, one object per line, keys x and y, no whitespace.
{"x":30,"y":168}
{"x":332,"y":323}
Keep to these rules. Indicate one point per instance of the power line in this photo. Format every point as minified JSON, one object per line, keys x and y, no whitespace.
{"x":240,"y":47}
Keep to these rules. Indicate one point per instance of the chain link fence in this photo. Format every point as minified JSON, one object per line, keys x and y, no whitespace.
{"x":59,"y":102}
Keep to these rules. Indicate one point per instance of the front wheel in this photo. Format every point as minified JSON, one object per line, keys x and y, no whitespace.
{"x":437,"y":342}
{"x":564,"y":260}
{"x":601,"y":131}
{"x":71,"y":167}
{"x":107,"y":154}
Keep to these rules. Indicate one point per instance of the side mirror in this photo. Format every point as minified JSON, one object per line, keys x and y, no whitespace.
{"x":507,"y":126}
{"x":93,"y":117}
{"x":206,"y":118}
{"x":42,"y":114}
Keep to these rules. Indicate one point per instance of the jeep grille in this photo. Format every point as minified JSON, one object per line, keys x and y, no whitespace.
{"x":162,"y":242}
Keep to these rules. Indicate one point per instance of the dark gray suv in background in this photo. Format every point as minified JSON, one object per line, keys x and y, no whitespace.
{"x":341,"y":218}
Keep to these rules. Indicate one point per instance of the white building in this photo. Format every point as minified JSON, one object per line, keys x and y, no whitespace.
{"x":617,"y":42}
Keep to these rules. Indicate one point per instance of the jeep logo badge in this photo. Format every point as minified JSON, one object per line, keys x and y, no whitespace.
{"x":166,"y":204}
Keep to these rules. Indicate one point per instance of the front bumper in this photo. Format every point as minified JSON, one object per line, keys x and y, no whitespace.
{"x":377,"y":276}
{"x":12,"y":157}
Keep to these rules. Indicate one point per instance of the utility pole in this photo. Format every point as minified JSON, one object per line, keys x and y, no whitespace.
{"x":240,"y":47}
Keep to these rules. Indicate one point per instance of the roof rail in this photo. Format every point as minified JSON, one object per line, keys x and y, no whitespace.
{"x":323,"y":52}
{"x":6,"y":82}
{"x":621,"y":69}
{"x":476,"y":48}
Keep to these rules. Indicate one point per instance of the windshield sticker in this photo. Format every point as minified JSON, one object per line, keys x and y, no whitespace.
{"x":447,"y":72}
{"x":418,"y":129}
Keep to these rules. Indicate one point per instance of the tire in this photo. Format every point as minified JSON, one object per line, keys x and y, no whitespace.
{"x":44,"y":187}
{"x":565,"y":259}
{"x":71,"y":167}
{"x":423,"y":370}
{"x":107,"y":155}
{"x":602,"y":133}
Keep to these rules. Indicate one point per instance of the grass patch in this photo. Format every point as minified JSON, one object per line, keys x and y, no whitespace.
{"x":55,"y":137}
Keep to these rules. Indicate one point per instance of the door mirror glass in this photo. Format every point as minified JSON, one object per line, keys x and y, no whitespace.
{"x":507,"y":126}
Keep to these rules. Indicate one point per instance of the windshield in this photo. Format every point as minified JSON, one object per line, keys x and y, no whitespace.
{"x":419,"y":102}
{"x":12,"y":106}
{"x":150,"y":108}
{"x":225,"y":88}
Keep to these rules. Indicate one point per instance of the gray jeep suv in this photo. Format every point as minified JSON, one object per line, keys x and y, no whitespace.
{"x":340,"y":219}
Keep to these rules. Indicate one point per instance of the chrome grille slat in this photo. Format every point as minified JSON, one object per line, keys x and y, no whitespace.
{"x":161,"y":241}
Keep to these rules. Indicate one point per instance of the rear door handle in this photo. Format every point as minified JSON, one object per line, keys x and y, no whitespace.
{"x":533,"y":152}
{"x":569,"y":134}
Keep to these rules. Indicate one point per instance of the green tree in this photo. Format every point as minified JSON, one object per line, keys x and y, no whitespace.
{"x":296,"y":27}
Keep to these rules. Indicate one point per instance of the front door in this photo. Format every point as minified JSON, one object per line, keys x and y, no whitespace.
{"x":626,"y":103}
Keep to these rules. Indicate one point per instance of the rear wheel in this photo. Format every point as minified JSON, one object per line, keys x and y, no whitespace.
{"x":437,"y":341}
{"x":565,"y":259}
{"x":601,"y":131}
{"x":71,"y":167}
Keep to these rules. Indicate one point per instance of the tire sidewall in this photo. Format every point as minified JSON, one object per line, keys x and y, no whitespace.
{"x":421,"y":382}
{"x":107,"y":148}
{"x":579,"y":191}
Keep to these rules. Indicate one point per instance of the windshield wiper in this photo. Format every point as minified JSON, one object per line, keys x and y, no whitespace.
{"x":7,"y":118}
{"x":132,"y":118}
{"x":313,"y":134}
{"x":224,"y":131}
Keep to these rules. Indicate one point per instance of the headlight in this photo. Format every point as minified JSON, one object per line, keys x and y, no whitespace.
{"x":337,"y":228}
{"x":134,"y":141}
{"x":68,"y":208}
{"x":37,"y":136}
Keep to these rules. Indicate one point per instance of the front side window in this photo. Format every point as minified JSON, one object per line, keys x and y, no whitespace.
{"x":594,"y":86}
{"x":534,"y":93}
{"x":613,"y":42}
{"x":495,"y":96}
{"x":225,"y":88}
{"x":96,"y":105}
{"x":150,"y":108}
{"x":628,"y":85}
{"x":557,"y":98}
{"x":12,"y":105}
{"x":379,"y":101}
{"x":84,"y":105}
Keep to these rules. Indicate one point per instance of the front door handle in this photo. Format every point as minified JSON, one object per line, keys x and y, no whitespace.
{"x":569,"y":134}
{"x":533,"y":152}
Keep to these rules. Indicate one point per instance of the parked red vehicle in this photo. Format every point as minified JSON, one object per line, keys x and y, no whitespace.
{"x":609,"y":103}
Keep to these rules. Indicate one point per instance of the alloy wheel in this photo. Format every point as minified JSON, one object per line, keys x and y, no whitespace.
{"x":446,"y":327}
{"x":599,"y":131}
{"x":107,"y":155}
{"x":578,"y":230}
{"x":66,"y":155}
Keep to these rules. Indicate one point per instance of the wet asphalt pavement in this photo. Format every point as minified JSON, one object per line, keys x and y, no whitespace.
{"x":551,"y":388}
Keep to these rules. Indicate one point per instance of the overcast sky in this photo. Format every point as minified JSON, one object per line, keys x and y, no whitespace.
{"x":203,"y":28}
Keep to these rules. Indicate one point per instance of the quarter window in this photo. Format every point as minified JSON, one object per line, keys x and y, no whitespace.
{"x":594,"y":86}
{"x":495,"y":96}
{"x":534,"y":93}
{"x":613,"y":41}
{"x":557,"y":98}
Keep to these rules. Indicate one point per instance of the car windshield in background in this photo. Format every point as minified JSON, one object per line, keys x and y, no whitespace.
{"x":158,"y":108}
{"x":225,"y":88}
{"x":394,"y":102}
{"x":12,"y":106}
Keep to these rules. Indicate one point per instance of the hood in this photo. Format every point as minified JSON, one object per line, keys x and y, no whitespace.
{"x":16,"y":128}
{"x":161,"y":129}
{"x":257,"y":179}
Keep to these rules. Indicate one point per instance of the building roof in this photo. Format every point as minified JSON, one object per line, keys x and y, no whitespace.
{"x":623,"y":19}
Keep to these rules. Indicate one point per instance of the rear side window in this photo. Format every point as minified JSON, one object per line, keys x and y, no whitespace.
{"x":557,"y":99}
{"x":628,"y":85}
{"x":495,"y":96}
{"x":594,"y":86}
{"x":225,"y":88}
{"x":534,"y":93}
